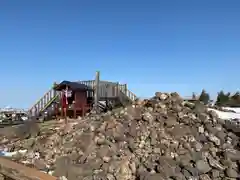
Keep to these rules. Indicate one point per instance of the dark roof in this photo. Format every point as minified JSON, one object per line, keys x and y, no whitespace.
{"x":72,"y":85}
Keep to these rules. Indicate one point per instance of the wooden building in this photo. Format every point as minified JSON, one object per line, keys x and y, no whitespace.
{"x":79,"y":103}
{"x":88,"y":94}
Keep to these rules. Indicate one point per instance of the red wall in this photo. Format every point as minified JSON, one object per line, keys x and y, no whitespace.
{"x":80,"y":99}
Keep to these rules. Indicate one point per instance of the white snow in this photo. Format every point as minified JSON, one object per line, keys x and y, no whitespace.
{"x":10,"y":154}
{"x":237,"y":110}
{"x":227,"y":115}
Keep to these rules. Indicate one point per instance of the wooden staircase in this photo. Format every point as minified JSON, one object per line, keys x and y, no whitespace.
{"x":107,"y":90}
{"x":43,"y":103}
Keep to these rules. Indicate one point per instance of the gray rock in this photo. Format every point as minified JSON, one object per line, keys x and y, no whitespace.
{"x":2,"y":177}
{"x":233,"y":155}
{"x":158,"y":138}
{"x":167,"y":167}
{"x":28,"y":143}
{"x":214,"y":163}
{"x":232,"y":173}
{"x":171,"y":121}
{"x":221,"y":135}
{"x":193,"y":171}
{"x":203,"y":166}
{"x":204,"y":177}
{"x":40,"y":164}
{"x":199,"y":108}
{"x":62,"y":164}
{"x":215,"y":173}
{"x":179,"y":176}
{"x":186,"y":173}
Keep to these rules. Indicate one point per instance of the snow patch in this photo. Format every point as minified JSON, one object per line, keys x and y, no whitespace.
{"x":226,"y":115}
{"x":237,"y":110}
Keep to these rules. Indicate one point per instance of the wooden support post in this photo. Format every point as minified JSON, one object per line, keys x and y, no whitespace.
{"x":96,"y":93}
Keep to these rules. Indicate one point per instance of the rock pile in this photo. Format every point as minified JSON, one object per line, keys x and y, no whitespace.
{"x":162,"y":138}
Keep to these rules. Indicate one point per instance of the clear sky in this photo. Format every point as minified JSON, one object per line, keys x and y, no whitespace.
{"x":154,"y":45}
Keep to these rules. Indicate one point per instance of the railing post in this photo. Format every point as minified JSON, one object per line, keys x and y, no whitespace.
{"x":44,"y":100}
{"x":96,"y":93}
{"x":107,"y":91}
{"x":117,"y":94}
{"x":125,"y":89}
{"x":41,"y":104}
{"x":53,"y":93}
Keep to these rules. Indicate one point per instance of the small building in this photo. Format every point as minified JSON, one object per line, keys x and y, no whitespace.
{"x":78,"y":103}
{"x":103,"y":94}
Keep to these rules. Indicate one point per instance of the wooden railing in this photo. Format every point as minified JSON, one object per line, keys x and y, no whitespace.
{"x":126,"y":96}
{"x":44,"y":102}
{"x":105,"y":86}
{"x":130,"y":95}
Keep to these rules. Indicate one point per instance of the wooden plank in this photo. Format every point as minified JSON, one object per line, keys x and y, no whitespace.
{"x":18,"y":171}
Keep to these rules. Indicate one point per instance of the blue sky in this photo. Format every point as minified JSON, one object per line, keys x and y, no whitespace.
{"x":152,"y":45}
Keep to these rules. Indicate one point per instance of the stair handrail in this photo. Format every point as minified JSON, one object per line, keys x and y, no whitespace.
{"x":129,"y":94}
{"x":40,"y":99}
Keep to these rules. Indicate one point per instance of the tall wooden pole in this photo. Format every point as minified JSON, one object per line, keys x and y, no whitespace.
{"x":96,"y":93}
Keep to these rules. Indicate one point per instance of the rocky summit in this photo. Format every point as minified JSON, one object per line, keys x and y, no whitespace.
{"x":163,"y":138}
